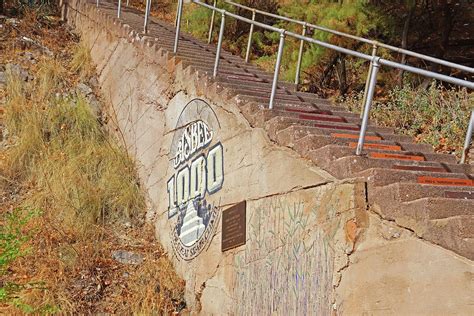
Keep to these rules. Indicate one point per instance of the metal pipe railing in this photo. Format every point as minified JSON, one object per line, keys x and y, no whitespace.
{"x":374,"y":54}
{"x":178,"y":25}
{"x":211,"y":25}
{"x":468,"y":140}
{"x":147,"y":16}
{"x":249,"y":43}
{"x":219,"y":44}
{"x":277,"y":69}
{"x":300,"y":58}
{"x":374,"y":68}
{"x":119,"y":9}
{"x":375,"y":63}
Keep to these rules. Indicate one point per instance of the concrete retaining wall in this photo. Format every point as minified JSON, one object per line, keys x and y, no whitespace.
{"x":312,"y":246}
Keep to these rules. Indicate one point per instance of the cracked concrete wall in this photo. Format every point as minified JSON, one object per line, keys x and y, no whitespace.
{"x":312,"y":246}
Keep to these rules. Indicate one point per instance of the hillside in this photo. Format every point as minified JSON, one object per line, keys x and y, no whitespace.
{"x":73,"y":239}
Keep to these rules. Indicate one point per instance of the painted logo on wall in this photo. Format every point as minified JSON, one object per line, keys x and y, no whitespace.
{"x":198,"y":164}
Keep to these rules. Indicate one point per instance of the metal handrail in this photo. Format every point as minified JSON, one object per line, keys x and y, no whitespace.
{"x":375,"y":61}
{"x":357,"y":38}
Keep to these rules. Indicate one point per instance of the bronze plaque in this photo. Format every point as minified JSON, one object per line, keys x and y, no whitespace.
{"x":234,"y":230}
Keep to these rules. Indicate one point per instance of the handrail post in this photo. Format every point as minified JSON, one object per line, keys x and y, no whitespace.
{"x":178,"y":25}
{"x":211,"y":26}
{"x":368,"y":103}
{"x":249,"y":43}
{"x":300,"y":57}
{"x":147,"y":14}
{"x":97,"y":3}
{"x":219,"y":44}
{"x":467,"y":141}
{"x":277,"y":68}
{"x":374,"y":53}
{"x":119,"y":8}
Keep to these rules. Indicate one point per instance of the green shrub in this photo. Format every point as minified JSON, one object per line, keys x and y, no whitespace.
{"x":437,"y":116}
{"x":14,"y":237}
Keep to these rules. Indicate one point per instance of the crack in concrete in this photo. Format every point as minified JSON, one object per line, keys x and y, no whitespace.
{"x":110,"y":56}
{"x":294,"y":189}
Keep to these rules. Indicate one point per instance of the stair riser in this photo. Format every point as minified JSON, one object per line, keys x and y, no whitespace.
{"x":353,"y":166}
{"x":407,"y":192}
{"x":383,"y":177}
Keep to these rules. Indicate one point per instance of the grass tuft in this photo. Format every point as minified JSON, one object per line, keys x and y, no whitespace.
{"x":81,"y":62}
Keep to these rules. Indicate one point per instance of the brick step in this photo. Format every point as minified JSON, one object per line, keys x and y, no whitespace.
{"x":226,"y":77}
{"x":189,"y":49}
{"x":293,"y":104}
{"x":225,"y":73}
{"x":305,"y":145}
{"x":225,"y":57}
{"x":352,"y":166}
{"x":209,"y":66}
{"x":437,"y":221}
{"x":198,"y":49}
{"x":252,"y":108}
{"x":315,"y":108}
{"x":260,"y":81}
{"x":314,"y":116}
{"x":446,"y":222}
{"x":329,"y":109}
{"x":266,"y":95}
{"x":298,"y":131}
{"x":311,"y":97}
{"x":260,"y":117}
{"x":205,"y":58}
{"x":265,"y":89}
{"x":339,"y":160}
{"x":378,"y":177}
{"x":407,"y":192}
{"x":318,"y":110}
{"x":265,"y":115}
{"x":228,"y":74}
{"x":281,"y":93}
{"x":281,"y":121}
{"x":299,"y":138}
{"x":262,"y":87}
{"x":208,"y":59}
{"x":187,"y":45}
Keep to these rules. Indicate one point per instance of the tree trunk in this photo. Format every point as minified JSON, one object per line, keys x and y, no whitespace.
{"x":342,"y":74}
{"x":406,"y":28}
{"x":446,"y":25}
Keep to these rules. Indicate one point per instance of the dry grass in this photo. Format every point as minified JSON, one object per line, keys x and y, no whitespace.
{"x":81,"y":62}
{"x":83,"y":185}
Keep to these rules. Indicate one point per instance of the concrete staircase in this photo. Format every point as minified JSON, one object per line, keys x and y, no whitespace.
{"x":426,"y":192}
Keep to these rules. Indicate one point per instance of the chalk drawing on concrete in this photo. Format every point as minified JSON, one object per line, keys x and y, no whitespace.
{"x":287,"y":266}
{"x":198,"y":163}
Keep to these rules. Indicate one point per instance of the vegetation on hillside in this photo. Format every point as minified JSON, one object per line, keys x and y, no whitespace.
{"x":71,"y":205}
{"x":410,"y":24}
{"x":438,"y":116}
